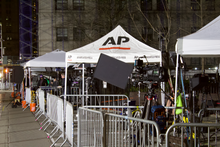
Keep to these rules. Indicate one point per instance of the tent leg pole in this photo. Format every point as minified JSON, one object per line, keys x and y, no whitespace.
{"x":176,"y":81}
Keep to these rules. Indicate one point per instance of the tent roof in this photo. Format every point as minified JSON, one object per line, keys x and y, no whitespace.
{"x":204,"y":42}
{"x":118,"y":44}
{"x":55,"y":58}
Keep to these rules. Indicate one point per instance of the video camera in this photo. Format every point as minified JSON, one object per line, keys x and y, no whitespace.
{"x":148,"y":73}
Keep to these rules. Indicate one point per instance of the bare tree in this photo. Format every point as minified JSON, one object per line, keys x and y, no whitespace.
{"x":99,"y":18}
{"x":163,"y":31}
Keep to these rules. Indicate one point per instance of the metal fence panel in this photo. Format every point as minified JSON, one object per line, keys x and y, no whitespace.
{"x":90,"y":125}
{"x":52,"y":99}
{"x":112,"y":103}
{"x":69,"y":123}
{"x":42,"y":101}
{"x":129,"y":131}
{"x":59,"y":113}
{"x":96,"y":128}
{"x":28,"y":95}
{"x":196,"y":134}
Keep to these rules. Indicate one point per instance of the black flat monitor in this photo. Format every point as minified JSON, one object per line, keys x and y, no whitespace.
{"x":113,"y":71}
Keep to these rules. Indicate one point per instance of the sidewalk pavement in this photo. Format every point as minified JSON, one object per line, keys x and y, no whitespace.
{"x":18,"y":128}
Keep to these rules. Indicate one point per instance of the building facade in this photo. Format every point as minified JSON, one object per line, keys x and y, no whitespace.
{"x":10,"y":32}
{"x":70,"y":24}
{"x":28,"y":29}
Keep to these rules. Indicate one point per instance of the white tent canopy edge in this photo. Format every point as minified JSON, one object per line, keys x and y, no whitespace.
{"x":55,"y":58}
{"x":117,"y":44}
{"x":203,"y":43}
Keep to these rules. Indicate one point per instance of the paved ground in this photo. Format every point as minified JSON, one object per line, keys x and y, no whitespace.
{"x":18,"y":128}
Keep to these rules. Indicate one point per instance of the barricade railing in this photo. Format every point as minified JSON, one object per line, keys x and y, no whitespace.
{"x":41,"y":98}
{"x":69,"y":135}
{"x":54,"y":90}
{"x":6,"y":86}
{"x":195,"y":130}
{"x":97,"y":128}
{"x":75,"y":90}
{"x":213,"y":110}
{"x":90,"y":128}
{"x":59,"y":121}
{"x":100,"y":101}
{"x":27,"y":97}
{"x":37,"y":101}
{"x":52,"y":110}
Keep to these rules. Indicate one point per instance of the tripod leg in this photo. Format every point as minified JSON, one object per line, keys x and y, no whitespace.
{"x":211,"y":100}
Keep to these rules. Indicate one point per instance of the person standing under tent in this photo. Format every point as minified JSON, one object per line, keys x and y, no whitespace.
{"x":42,"y":82}
{"x":63,"y":84}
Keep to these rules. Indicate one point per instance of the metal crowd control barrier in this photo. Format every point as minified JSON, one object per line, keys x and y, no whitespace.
{"x":52,"y":101}
{"x":54,"y":90}
{"x":216,"y":110}
{"x":100,"y":101}
{"x":41,"y":99}
{"x":75,"y":90}
{"x":209,"y":119}
{"x":59,"y":119}
{"x":27,"y":97}
{"x":97,"y":128}
{"x":196,"y":140}
{"x":69,"y":125}
{"x":37,"y":101}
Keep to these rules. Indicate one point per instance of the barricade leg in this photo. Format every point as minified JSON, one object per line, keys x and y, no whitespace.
{"x":26,"y":107}
{"x":48,"y":121}
{"x":47,"y":125}
{"x":37,"y":113}
{"x":56,"y":140}
{"x":63,"y":142}
{"x":44,"y":120}
{"x":52,"y":133}
{"x":39,"y":116}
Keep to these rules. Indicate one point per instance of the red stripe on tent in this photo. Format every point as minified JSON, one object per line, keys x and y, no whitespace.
{"x":108,"y":48}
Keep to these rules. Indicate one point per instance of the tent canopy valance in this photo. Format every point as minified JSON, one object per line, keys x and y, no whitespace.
{"x":204,"y":42}
{"x":118,"y":44}
{"x":55,"y":58}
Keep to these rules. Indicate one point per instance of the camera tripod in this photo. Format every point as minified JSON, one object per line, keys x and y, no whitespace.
{"x":204,"y":98}
{"x":149,"y":97}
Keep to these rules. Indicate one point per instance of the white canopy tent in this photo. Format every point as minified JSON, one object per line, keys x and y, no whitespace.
{"x":117,"y":44}
{"x":55,"y":58}
{"x":203,"y":43}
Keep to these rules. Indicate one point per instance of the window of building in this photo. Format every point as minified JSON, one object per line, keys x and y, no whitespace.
{"x":78,"y":5}
{"x":210,"y":61}
{"x":161,"y":5}
{"x":61,"y":34}
{"x":210,"y":5}
{"x":146,"y":5}
{"x":61,"y":4}
{"x":8,"y":38}
{"x":195,"y":5}
{"x":8,"y":30}
{"x":195,"y":61}
{"x":78,"y":34}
